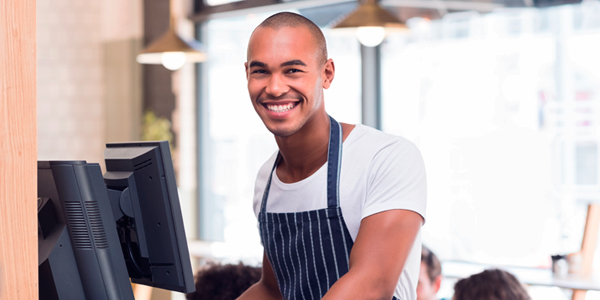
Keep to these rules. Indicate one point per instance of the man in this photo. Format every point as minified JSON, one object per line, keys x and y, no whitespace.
{"x":430,"y":277}
{"x":335,"y":224}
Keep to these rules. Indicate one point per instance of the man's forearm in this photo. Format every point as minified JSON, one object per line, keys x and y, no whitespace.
{"x":378,"y":256}
{"x":259,"y":291}
{"x":361,"y":286}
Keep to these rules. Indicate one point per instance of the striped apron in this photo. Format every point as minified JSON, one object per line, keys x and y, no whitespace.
{"x":309,"y":251}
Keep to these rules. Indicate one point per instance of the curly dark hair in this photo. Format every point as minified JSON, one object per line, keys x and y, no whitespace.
{"x":223,"y":281}
{"x":492,"y":284}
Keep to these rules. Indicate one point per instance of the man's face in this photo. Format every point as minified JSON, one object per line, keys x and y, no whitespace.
{"x":426,"y":290}
{"x":286,"y":77}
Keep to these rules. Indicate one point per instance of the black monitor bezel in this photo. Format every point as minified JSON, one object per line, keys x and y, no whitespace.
{"x":166,"y":169}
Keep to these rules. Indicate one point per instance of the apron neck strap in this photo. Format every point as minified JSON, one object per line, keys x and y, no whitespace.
{"x":334,"y":162}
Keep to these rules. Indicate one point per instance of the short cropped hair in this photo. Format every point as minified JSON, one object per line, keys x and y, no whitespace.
{"x":224,"y":281}
{"x":492,"y":284}
{"x":434,"y":267}
{"x":289,"y":19}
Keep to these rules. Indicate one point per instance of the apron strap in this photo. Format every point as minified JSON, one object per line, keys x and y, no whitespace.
{"x":263,"y":204}
{"x":334,"y":161}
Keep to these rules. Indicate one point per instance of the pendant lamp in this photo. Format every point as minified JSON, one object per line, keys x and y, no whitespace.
{"x":371,"y":21}
{"x":170,"y":50}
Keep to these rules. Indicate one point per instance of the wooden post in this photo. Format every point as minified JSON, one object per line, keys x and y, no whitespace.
{"x":588,"y":245}
{"x":590,"y":238}
{"x":18,"y":151}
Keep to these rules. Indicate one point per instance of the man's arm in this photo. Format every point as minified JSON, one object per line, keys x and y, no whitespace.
{"x":378,"y":256}
{"x":266,"y":288}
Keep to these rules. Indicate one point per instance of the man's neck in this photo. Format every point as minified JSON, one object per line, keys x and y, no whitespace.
{"x":305,"y":151}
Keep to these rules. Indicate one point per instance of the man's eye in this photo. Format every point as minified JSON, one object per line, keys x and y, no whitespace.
{"x":259,"y":72}
{"x":291,"y":71}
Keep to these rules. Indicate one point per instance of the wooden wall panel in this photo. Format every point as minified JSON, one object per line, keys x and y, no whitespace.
{"x":18,"y":153}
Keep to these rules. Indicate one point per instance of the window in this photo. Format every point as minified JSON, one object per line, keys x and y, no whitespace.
{"x":507,"y":119}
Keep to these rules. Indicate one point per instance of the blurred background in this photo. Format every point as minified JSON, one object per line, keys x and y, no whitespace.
{"x":501,"y":96}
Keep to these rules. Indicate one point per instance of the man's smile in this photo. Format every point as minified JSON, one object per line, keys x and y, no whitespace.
{"x":280,"y":107}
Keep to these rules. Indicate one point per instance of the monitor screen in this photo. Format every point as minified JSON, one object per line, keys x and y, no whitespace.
{"x":96,"y":232}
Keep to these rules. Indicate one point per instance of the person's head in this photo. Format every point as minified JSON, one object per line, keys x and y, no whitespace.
{"x":287,"y":69}
{"x":224,"y":281}
{"x":493,"y":284}
{"x":430,"y":277}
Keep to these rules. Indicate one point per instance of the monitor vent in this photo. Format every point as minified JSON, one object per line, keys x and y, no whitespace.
{"x":143,"y":164}
{"x":96,"y":224}
{"x":79,"y":230}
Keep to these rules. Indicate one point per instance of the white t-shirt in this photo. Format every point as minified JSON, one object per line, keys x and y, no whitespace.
{"x":379,"y":172}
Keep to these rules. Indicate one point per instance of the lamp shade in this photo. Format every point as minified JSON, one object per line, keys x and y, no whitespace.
{"x":369,"y":14}
{"x":171,"y":51}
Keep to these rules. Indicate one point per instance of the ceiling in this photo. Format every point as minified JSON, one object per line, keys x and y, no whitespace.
{"x":323,"y":12}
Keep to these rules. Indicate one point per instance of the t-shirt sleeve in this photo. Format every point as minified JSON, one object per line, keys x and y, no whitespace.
{"x":396,"y":180}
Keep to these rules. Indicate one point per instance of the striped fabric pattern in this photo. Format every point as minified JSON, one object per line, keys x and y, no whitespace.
{"x":309,"y":261}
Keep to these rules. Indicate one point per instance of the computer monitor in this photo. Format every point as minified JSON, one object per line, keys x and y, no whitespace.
{"x":80,"y":256}
{"x":98,"y":232}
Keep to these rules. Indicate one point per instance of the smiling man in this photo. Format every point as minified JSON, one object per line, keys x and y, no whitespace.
{"x":340,"y":206}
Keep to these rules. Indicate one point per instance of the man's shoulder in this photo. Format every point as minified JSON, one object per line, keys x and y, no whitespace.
{"x":365,"y":139}
{"x":268,"y":165}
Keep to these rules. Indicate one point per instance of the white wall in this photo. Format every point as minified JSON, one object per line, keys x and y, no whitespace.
{"x":74,"y":75}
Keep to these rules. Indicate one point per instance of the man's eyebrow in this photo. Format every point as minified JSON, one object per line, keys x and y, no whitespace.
{"x":295,"y":62}
{"x":257,"y":64}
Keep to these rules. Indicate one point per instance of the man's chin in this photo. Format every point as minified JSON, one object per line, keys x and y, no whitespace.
{"x":280,"y":132}
{"x":284,"y":127}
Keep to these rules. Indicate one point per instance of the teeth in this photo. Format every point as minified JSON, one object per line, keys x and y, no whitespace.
{"x":280,"y":108}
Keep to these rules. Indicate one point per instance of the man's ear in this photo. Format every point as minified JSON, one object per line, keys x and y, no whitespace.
{"x":246,"y":69}
{"x":437,"y":283}
{"x":328,"y":73}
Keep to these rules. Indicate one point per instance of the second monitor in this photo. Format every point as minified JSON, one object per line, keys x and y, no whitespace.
{"x":141,"y":184}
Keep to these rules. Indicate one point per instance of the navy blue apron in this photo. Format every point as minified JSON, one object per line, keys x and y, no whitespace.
{"x":309,"y":251}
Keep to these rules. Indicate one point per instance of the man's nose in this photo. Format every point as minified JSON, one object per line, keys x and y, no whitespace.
{"x":276,"y":86}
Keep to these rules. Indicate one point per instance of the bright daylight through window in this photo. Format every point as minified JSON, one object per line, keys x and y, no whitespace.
{"x":504,"y":108}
